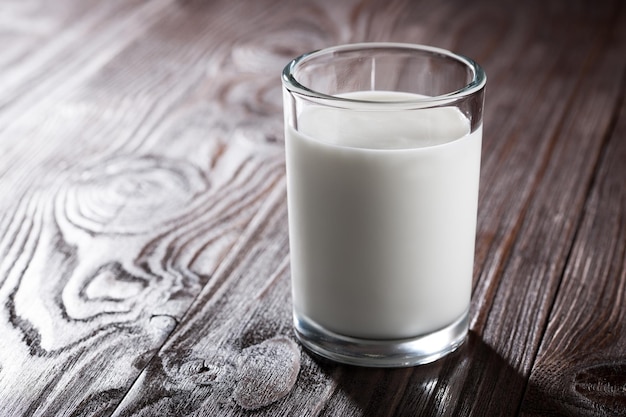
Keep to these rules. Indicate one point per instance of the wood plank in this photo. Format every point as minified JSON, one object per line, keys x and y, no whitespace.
{"x":30,"y":26}
{"x":519,"y":177}
{"x":48,"y":50}
{"x":247,"y":304}
{"x":135,"y":192}
{"x":531,"y":274}
{"x":532,"y":174}
{"x":147,"y":205}
{"x":581,"y":366}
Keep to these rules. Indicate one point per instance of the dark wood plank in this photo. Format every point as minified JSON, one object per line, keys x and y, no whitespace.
{"x":531,"y":199}
{"x":581,"y":366}
{"x":526,"y":279}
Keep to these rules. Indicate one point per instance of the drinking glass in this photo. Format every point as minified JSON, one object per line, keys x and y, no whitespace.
{"x":383,"y":144}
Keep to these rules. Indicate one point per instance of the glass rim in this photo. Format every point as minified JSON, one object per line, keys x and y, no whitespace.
{"x":478,"y":81}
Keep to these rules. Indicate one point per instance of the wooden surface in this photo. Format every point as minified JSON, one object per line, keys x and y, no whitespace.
{"x":144,"y":264}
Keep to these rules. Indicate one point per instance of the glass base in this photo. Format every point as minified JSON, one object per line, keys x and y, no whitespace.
{"x":387,"y":353}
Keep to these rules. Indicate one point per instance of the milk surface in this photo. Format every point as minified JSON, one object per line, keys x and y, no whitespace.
{"x":382,"y":217}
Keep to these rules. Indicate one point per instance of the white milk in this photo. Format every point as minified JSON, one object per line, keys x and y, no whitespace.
{"x":382,"y":218}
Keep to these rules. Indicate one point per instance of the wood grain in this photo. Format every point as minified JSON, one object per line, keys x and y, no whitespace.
{"x":122,"y":215}
{"x":581,"y":367}
{"x":144,"y":265}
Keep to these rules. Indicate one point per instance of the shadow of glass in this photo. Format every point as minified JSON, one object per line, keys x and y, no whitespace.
{"x":472,"y":381}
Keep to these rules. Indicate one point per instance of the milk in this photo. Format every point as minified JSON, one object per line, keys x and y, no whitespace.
{"x":382,"y":217}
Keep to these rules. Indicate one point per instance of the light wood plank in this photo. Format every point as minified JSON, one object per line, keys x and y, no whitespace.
{"x":133,"y":196}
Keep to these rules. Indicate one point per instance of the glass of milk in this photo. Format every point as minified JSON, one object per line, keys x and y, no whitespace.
{"x":383,"y":144}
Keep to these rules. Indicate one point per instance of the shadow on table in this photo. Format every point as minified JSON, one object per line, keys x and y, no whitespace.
{"x":473,"y":381}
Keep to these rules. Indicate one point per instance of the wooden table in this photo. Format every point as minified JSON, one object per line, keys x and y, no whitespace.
{"x":144,"y":263}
